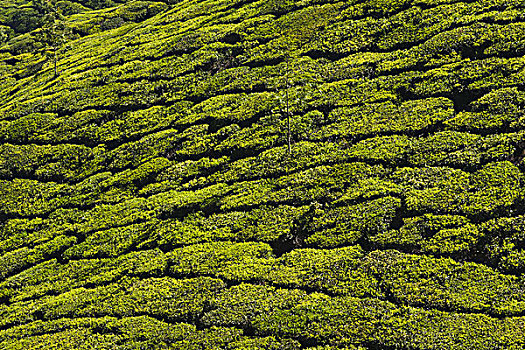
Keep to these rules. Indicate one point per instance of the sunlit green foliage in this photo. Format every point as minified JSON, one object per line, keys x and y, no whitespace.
{"x":149,"y":198}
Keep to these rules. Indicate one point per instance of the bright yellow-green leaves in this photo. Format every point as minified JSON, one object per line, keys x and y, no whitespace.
{"x":148,"y":198}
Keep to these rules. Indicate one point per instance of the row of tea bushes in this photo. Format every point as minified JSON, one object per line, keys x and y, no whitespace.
{"x":149,"y":199}
{"x":164,"y":298}
{"x":417,"y":280}
{"x":317,"y":317}
{"x":136,"y":333}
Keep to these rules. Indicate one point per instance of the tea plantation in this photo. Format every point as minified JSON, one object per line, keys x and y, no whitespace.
{"x":263,"y":174}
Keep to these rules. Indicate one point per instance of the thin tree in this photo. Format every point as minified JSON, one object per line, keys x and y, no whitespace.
{"x":298,"y":32}
{"x":53,"y":30}
{"x":58,"y":39}
{"x":285,"y":105}
{"x":288,"y":117}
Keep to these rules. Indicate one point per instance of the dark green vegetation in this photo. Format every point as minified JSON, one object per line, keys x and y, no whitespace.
{"x":148,"y":198}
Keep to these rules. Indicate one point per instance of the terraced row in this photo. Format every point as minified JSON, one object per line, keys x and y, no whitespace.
{"x":149,"y":200}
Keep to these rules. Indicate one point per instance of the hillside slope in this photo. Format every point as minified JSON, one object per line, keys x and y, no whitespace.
{"x":274,"y":174}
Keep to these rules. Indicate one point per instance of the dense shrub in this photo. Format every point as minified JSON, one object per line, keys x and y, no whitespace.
{"x":263,"y":174}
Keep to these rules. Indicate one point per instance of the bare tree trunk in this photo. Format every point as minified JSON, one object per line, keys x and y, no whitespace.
{"x":55,"y":53}
{"x":289,"y":133}
{"x":289,"y":136}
